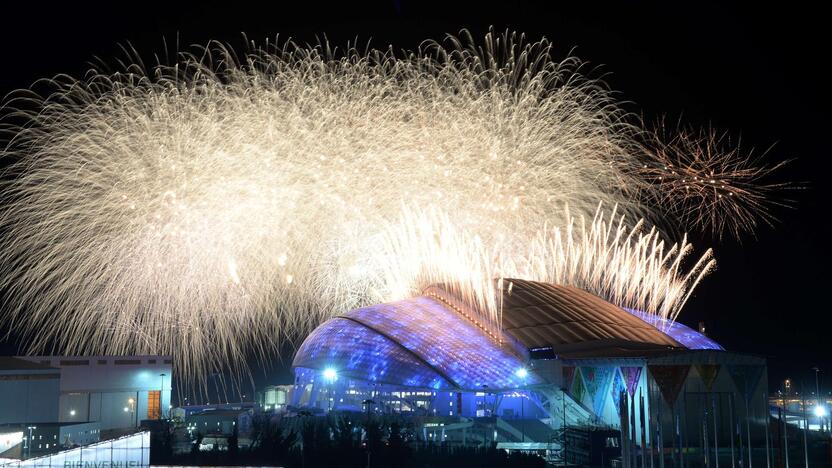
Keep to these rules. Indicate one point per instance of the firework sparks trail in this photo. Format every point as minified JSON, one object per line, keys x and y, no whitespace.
{"x":603,"y":255}
{"x":219,"y":206}
{"x":709,"y":184}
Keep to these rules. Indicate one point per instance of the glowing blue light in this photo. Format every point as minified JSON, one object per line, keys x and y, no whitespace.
{"x":522,"y":373}
{"x":416,"y":342}
{"x":357,"y":351}
{"x":820,"y":411}
{"x":330,"y":374}
{"x":686,"y":336}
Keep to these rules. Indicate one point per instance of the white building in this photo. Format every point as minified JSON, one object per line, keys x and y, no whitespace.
{"x":45,"y":438}
{"x":217,"y":426}
{"x":29,"y":392}
{"x":115,"y":391}
{"x":274,"y":397}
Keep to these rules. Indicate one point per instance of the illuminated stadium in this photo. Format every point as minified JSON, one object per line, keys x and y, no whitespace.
{"x":563,"y":359}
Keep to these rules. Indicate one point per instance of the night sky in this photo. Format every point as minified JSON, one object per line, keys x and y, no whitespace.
{"x":757,"y":73}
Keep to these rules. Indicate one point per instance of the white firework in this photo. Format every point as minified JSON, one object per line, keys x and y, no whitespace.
{"x":709,"y":184}
{"x":219,"y":206}
{"x":604,"y":255}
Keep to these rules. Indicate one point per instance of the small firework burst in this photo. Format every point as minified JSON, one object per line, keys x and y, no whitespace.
{"x":710,"y":184}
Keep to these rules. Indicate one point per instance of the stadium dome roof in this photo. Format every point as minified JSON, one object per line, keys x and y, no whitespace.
{"x":433,"y":340}
{"x":575,"y":323}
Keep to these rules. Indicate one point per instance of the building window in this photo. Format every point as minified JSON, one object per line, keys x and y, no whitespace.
{"x":80,"y":362}
{"x":127,"y":362}
{"x":154,"y":404}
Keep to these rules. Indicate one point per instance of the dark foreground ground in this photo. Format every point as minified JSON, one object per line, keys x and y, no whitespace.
{"x":329,"y":443}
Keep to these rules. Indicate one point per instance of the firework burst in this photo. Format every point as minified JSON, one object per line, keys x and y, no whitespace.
{"x":218,"y":206}
{"x":626,"y":264}
{"x":710,"y":184}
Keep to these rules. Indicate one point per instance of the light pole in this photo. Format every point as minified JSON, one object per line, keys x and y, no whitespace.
{"x":132,"y":403}
{"x":214,"y":376}
{"x":820,"y":409}
{"x":484,"y":387}
{"x":522,"y":373}
{"x":330,"y":375}
{"x":162,"y":392}
{"x":484,"y":414}
{"x":367,"y":404}
{"x":29,"y":440}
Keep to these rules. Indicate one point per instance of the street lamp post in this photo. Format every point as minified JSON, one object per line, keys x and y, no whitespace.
{"x":29,"y":440}
{"x":162,"y":392}
{"x":484,"y":414}
{"x":330,"y":375}
{"x":522,"y":373}
{"x":214,"y":376}
{"x":132,"y":403}
{"x":367,"y":404}
{"x":819,"y":410}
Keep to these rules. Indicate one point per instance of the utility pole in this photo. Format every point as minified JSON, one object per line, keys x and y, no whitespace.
{"x":786,"y":435}
{"x":368,"y":402}
{"x":522,"y":419}
{"x":133,"y":414}
{"x":805,"y":434}
{"x":817,"y":397}
{"x":162,"y":392}
{"x":522,"y":373}
{"x":29,"y":440}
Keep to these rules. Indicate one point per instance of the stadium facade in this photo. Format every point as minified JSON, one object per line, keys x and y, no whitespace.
{"x":566,"y":364}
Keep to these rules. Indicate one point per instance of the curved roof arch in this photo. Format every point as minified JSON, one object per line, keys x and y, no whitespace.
{"x":423,"y":337}
{"x":576,"y":323}
{"x":688,"y":337}
{"x":362,"y":353}
{"x":434,"y":341}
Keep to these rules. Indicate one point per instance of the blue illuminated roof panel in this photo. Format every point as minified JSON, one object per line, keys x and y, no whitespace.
{"x":686,"y":336}
{"x":356,"y":351}
{"x":447,"y":341}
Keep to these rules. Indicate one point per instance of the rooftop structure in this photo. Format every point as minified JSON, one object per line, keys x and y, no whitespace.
{"x":562,"y":358}
{"x":433,"y":341}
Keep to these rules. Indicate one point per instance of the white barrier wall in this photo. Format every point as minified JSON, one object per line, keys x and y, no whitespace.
{"x":129,"y":451}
